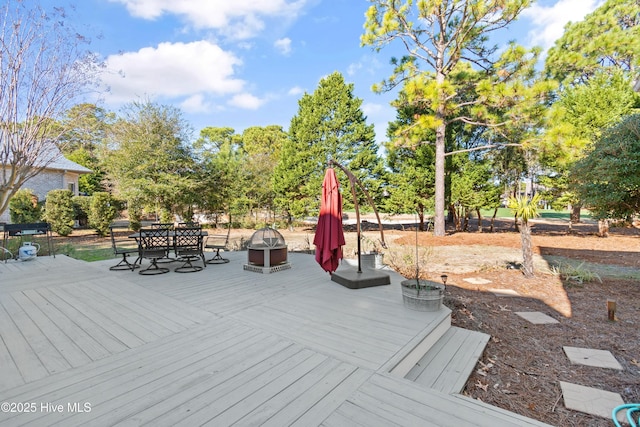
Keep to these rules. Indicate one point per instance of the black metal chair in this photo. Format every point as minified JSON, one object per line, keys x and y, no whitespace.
{"x":153,"y":244}
{"x":218,"y":242}
{"x":124,"y":249}
{"x":165,"y":226}
{"x":189,"y":248}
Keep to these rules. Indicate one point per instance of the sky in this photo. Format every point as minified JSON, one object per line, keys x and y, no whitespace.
{"x":243,"y":63}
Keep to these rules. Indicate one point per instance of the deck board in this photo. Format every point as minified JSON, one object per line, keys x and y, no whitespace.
{"x":223,"y":346}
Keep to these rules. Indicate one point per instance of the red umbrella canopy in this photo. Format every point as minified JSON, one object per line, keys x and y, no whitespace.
{"x":329,"y":237}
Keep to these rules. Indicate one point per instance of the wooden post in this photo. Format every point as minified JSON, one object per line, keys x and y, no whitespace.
{"x":611,"y":309}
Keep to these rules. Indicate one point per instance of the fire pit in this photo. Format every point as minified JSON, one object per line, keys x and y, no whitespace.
{"x":267,"y":252}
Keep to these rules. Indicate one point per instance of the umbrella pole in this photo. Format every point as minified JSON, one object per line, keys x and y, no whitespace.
{"x":355,"y":202}
{"x":353,"y":181}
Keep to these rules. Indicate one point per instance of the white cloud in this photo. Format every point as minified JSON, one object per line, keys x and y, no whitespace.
{"x":239,"y":18}
{"x":296,"y":90}
{"x":283,"y":45}
{"x":548,"y":22}
{"x":353,"y":68}
{"x":246,"y":101}
{"x":172,"y":70}
{"x":369,"y":108}
{"x":196,"y":104}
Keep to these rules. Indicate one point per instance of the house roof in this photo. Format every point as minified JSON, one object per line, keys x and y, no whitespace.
{"x":55,"y":160}
{"x":62,"y":163}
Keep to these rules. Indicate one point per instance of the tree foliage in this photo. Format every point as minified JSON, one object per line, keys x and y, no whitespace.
{"x":608,"y":178}
{"x":223,"y":172}
{"x":44,"y":67}
{"x":148,"y":158}
{"x":87,"y":129}
{"x":608,"y":38}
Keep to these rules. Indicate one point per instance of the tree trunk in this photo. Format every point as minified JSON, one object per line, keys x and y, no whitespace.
{"x":493,"y":218}
{"x":603,"y":228}
{"x":479,"y":220}
{"x":515,"y":223}
{"x":527,"y":250}
{"x":438,"y":220}
{"x":456,"y":222}
{"x":465,"y":227}
{"x":575,"y":213}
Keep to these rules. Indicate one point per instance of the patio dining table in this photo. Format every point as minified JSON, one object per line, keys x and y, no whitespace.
{"x":184,"y":246}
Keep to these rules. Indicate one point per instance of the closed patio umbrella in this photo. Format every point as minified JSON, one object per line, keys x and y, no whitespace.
{"x":329,"y":237}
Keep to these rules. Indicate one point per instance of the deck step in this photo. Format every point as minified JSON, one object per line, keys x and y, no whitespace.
{"x":449,"y":362}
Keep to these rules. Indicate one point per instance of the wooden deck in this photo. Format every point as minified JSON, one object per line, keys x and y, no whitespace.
{"x":82,"y":345}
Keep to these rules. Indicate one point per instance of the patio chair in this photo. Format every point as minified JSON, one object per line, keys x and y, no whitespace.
{"x":218,"y":242}
{"x":165,"y":226}
{"x":188,"y":247}
{"x":123,"y":248}
{"x":153,"y":244}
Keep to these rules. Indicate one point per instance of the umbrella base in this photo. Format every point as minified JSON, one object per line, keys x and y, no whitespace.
{"x":350,"y":278}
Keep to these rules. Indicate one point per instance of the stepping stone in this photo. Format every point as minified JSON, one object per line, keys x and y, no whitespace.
{"x":536,"y":317}
{"x":591,"y":400}
{"x":504,"y":292}
{"x":477,"y":281}
{"x":592,"y":357}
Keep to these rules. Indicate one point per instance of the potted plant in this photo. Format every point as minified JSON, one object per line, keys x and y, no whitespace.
{"x":372,"y":257}
{"x":419,"y":293}
{"x":422,"y":295}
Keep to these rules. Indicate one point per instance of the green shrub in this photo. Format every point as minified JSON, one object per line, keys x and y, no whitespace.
{"x":81,"y":206}
{"x":102,"y":211}
{"x":166,"y":216}
{"x":59,"y":211}
{"x":24,"y":207}
{"x":135,"y":215}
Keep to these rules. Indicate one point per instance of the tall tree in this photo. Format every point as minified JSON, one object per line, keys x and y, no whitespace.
{"x":149,"y":160}
{"x":329,"y":124}
{"x":44,"y":67}
{"x":463,"y":82}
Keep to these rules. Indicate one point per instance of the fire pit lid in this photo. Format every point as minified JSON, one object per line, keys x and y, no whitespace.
{"x":266,"y":237}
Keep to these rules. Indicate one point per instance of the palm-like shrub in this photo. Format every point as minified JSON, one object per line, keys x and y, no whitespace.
{"x":526,"y":208}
